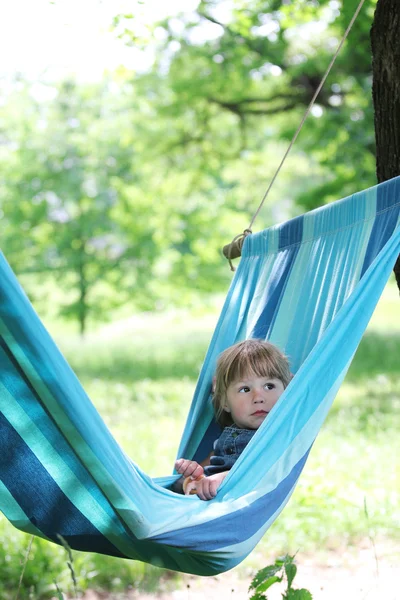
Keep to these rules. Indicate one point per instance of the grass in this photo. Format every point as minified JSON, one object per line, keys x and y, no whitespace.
{"x":143,"y":371}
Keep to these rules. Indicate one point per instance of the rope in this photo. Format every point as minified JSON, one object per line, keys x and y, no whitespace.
{"x":307,"y":112}
{"x":234,"y":249}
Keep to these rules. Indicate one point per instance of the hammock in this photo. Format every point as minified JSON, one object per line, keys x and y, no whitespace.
{"x":310,"y":286}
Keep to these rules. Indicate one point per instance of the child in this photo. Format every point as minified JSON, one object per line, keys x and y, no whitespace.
{"x":249,"y":379}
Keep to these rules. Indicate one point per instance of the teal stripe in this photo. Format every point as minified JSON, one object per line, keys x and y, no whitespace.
{"x":327,"y":281}
{"x":289,"y":306}
{"x":15,"y":514}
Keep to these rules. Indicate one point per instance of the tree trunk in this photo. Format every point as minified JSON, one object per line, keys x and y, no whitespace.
{"x":385,"y":43}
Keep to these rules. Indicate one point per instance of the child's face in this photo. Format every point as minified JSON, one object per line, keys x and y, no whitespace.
{"x":249,"y":400}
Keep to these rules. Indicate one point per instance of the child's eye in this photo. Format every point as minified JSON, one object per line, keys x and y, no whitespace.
{"x":244,"y":389}
{"x":269,"y":386}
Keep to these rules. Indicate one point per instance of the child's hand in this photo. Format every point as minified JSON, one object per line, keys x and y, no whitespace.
{"x":206,"y":488}
{"x":189,"y":468}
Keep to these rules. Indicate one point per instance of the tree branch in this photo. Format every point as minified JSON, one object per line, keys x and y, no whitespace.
{"x":270,"y":111}
{"x":239,"y":108}
{"x":257,"y":44}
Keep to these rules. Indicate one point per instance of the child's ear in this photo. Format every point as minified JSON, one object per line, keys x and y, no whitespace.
{"x":214,"y":381}
{"x":226,"y":408}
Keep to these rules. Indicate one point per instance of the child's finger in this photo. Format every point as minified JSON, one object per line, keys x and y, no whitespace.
{"x":198,"y":472}
{"x":206,"y":489}
{"x":212,"y":489}
{"x":181,"y":465}
{"x":203,"y":488}
{"x":178,"y":463}
{"x":189,"y":468}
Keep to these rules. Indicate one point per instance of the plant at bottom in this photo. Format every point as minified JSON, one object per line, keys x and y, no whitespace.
{"x":283,"y":569}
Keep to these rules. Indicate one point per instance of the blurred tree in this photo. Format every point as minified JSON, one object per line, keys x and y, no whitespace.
{"x":83,"y":199}
{"x":239,"y":75}
{"x":66,"y":150}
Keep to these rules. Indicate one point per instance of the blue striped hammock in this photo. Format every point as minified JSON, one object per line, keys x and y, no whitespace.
{"x":310,"y":286}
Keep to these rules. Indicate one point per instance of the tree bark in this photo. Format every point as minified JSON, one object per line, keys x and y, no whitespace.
{"x":385,"y":43}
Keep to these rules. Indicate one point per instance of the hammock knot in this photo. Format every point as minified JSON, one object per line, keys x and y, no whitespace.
{"x":234,"y":249}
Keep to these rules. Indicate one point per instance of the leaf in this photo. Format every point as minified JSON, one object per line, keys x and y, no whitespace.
{"x":301,"y":594}
{"x":283,"y":560}
{"x":366,"y":508}
{"x":290,"y":570}
{"x":258,"y":596}
{"x":266,"y":584}
{"x":264,"y":574}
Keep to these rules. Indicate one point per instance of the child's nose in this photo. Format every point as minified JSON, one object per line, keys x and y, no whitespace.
{"x":259,"y":395}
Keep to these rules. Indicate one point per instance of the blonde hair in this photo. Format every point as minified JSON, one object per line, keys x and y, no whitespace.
{"x":250,"y":357}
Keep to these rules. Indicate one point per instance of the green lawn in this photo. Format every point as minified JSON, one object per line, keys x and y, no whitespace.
{"x":143,"y":371}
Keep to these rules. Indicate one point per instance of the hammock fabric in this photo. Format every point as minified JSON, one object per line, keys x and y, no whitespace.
{"x":310,"y":286}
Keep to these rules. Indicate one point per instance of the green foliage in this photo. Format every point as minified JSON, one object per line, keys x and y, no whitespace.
{"x":61,"y":157}
{"x":268,"y":576}
{"x":59,"y":593}
{"x":81,"y":200}
{"x":229,"y":81}
{"x":290,"y":571}
{"x":70,"y":562}
{"x":24,"y":566}
{"x":297,"y":595}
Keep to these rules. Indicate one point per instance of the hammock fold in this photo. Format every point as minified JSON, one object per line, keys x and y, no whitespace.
{"x":309,"y":285}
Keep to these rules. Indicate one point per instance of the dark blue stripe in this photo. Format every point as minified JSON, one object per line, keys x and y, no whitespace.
{"x":42,"y":500}
{"x":237,"y":526}
{"x":291,"y":232}
{"x":388,"y":194}
{"x":290,"y":236}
